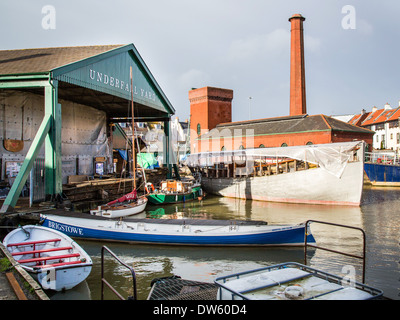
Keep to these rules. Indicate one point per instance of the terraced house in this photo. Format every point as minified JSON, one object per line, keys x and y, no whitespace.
{"x":385,"y":123}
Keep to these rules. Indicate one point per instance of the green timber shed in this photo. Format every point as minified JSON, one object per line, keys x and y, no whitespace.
{"x":95,"y":76}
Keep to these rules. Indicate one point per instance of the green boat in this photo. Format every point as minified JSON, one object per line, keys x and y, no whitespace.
{"x":173,"y":191}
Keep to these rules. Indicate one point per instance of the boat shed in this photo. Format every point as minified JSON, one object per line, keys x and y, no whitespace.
{"x":57,"y":109}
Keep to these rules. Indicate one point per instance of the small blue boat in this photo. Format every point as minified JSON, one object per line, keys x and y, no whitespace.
{"x":178,"y":231}
{"x":383,"y":174}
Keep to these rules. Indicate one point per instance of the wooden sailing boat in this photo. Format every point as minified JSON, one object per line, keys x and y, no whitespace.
{"x":130,"y":203}
{"x":174,"y":191}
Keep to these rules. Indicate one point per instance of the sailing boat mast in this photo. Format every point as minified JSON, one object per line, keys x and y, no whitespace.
{"x":133,"y":135}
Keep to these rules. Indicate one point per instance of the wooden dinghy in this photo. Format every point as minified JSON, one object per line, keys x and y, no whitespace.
{"x":55,"y":260}
{"x":125,"y":206}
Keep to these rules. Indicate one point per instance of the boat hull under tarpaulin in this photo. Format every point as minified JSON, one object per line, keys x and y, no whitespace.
{"x":333,"y":174}
{"x":179,"y":232}
{"x":313,"y":186}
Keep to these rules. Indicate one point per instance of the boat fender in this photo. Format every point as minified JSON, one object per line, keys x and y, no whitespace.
{"x":149,"y":187}
{"x":294,"y":292}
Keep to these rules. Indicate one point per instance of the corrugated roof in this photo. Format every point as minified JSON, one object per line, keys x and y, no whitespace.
{"x":43,"y":60}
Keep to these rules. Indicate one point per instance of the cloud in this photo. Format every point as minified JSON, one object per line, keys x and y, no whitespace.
{"x":364,"y":27}
{"x":254,"y":46}
{"x":312,"y":44}
{"x":271,"y":44}
{"x":194,"y":78}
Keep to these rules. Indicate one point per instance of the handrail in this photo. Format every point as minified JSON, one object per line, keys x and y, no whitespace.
{"x":104,"y":281}
{"x":334,"y":251}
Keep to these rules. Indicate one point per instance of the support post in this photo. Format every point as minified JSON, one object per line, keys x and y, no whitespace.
{"x":169,"y":158}
{"x":13,"y":195}
{"x":49,"y":133}
{"x":53,"y":142}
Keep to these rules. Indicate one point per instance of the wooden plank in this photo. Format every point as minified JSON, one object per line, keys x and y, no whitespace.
{"x":28,"y":243}
{"x":16,"y":287}
{"x":21,"y":253}
{"x":45,"y":259}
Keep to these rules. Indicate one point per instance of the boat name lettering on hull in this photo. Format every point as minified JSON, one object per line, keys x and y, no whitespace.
{"x":65,"y":228}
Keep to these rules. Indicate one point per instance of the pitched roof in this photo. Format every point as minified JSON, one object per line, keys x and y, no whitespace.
{"x":378,"y":116}
{"x":43,"y":60}
{"x":71,"y":66}
{"x":287,"y":125}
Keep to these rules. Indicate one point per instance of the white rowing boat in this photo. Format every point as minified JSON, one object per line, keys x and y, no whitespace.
{"x":55,"y":260}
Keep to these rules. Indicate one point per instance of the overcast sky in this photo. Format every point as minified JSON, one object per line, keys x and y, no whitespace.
{"x":351,"y":57}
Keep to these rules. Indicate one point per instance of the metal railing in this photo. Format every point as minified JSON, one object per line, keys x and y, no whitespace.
{"x":389,"y":157}
{"x":104,"y":281}
{"x":335,"y":251}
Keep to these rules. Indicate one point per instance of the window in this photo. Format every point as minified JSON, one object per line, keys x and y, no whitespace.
{"x":284,"y":144}
{"x":198,"y":129}
{"x":241,"y":147}
{"x":261,"y":146}
{"x":309,"y":143}
{"x":391,"y":136}
{"x":223,"y":148}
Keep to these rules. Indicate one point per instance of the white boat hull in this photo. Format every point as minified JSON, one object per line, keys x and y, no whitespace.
{"x":122,"y":210}
{"x":312,"y":186}
{"x":51,"y":273}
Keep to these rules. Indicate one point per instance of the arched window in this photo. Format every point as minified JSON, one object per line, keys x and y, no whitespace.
{"x":241,"y":147}
{"x":261,"y":146}
{"x":284,"y":144}
{"x":309,"y":143}
{"x":223,"y":148}
{"x":198,"y":129}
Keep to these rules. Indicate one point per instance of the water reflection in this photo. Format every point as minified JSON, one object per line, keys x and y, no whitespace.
{"x":378,"y":216}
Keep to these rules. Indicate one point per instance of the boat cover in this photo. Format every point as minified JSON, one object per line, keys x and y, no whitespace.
{"x":332,"y":157}
{"x":130,"y":196}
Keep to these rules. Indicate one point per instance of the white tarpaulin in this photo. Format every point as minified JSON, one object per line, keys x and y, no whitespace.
{"x":83,"y":133}
{"x":332,"y":157}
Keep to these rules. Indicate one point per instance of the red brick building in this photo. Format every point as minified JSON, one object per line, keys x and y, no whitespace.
{"x":211,"y":115}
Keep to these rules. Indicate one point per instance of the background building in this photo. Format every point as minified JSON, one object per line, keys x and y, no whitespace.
{"x":385,"y":123}
{"x":211,"y":115}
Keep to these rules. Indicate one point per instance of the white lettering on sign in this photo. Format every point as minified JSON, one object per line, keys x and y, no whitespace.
{"x":65,"y":228}
{"x":120,"y":84}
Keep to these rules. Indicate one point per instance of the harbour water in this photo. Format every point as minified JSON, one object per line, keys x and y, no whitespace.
{"x":379,"y":217}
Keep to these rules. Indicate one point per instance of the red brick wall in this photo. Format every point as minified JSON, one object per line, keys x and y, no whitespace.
{"x":208,"y":107}
{"x":295,"y":139}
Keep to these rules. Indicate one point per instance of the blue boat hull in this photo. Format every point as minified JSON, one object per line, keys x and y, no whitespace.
{"x":377,"y":172}
{"x":291,"y":236}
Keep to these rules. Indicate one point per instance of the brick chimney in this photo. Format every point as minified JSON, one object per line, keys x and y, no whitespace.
{"x":297,"y":71}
